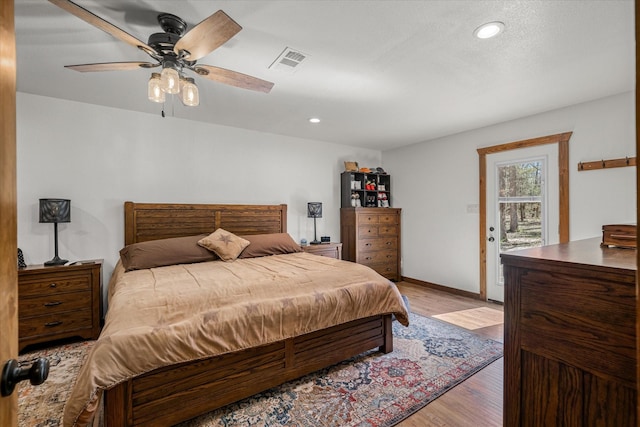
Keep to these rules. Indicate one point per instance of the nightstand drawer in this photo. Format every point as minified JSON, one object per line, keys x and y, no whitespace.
{"x":56,"y":303}
{"x":57,"y":323}
{"x":54,"y":284}
{"x":331,"y":250}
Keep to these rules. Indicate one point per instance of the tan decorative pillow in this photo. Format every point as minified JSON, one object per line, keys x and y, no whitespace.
{"x":224,"y":244}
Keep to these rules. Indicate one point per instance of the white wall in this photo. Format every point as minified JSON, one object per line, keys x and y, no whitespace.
{"x":101,"y":157}
{"x":434,"y":182}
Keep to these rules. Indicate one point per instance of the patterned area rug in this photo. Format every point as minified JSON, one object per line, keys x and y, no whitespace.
{"x":372,"y":389}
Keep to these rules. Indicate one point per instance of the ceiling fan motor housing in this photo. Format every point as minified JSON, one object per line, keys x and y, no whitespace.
{"x":172,"y":24}
{"x":163,"y":43}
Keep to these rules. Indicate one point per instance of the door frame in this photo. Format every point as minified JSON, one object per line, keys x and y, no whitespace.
{"x":8,"y":206}
{"x":562,"y":139}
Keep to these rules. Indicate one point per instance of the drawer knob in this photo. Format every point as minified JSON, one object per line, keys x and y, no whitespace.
{"x":388,"y":243}
{"x":52,"y":303}
{"x":367,"y":244}
{"x":12,"y":374}
{"x":52,"y":285}
{"x":368,"y":258}
{"x":52,"y":324}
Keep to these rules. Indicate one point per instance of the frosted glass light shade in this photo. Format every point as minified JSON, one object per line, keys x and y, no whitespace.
{"x":155,"y":92}
{"x":170,"y":80}
{"x":190,"y":95}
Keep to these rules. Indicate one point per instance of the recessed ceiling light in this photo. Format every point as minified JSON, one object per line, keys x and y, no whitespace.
{"x":314,"y":120}
{"x":488,"y":30}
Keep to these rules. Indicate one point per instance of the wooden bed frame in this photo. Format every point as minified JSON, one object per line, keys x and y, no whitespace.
{"x":170,"y":395}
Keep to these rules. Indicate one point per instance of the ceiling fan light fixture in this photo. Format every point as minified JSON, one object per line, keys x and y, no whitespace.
{"x":190,"y":95}
{"x":170,"y":77}
{"x":155,"y":92}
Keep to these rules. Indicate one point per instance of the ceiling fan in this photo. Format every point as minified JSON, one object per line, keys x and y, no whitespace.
{"x":175,"y":50}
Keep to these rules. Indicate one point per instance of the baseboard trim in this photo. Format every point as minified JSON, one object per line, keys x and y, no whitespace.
{"x":442,"y":288}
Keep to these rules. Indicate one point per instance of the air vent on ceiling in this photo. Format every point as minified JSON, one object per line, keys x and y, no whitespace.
{"x":289,"y":60}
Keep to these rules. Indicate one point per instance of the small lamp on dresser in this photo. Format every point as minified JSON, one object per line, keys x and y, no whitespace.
{"x":314,"y":210}
{"x":55,"y":211}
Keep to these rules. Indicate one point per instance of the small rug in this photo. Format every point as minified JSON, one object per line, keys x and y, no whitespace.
{"x":474,"y":318}
{"x":40,"y":406}
{"x":373,"y":389}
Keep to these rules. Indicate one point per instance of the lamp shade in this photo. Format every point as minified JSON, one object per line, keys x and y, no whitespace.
{"x":314,"y":210}
{"x":55,"y":210}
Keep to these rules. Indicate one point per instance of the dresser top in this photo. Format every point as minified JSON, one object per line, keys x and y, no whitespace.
{"x":586,"y":252}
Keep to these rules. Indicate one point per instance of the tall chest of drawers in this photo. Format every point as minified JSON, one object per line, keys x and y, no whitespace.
{"x":59,"y":302}
{"x":371,"y":236}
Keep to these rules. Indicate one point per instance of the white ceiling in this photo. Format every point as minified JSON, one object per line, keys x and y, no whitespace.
{"x":380,"y":74}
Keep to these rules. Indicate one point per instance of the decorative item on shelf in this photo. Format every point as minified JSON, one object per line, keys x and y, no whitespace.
{"x":314,"y":210}
{"x":325,"y":239}
{"x":303,"y":242}
{"x":355,"y":200}
{"x":351,"y":166}
{"x":55,"y":211}
{"x":21,"y":263}
{"x":384,"y":201}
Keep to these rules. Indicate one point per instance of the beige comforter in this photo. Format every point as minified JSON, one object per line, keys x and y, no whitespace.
{"x":167,"y":315}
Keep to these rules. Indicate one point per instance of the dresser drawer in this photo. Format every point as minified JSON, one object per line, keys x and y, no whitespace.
{"x":388,"y":219}
{"x":387,"y":230}
{"x":55,"y":323}
{"x":368,"y":218}
{"x":53,"y":284}
{"x":367,"y":231}
{"x":376,"y":257}
{"x":390,"y":271}
{"x":55,"y":303}
{"x":368,"y":245}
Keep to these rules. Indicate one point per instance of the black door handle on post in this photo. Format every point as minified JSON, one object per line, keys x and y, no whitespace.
{"x":12,"y":374}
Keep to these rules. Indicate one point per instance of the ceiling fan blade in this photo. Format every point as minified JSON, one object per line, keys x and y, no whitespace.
{"x":233,"y":78}
{"x":111,"y":66}
{"x":208,"y":35}
{"x":100,"y":23}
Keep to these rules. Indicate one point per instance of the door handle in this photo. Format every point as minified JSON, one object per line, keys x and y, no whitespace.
{"x":12,"y":374}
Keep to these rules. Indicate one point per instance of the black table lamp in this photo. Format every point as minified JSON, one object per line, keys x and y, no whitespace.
{"x":314,"y":210}
{"x":55,"y":211}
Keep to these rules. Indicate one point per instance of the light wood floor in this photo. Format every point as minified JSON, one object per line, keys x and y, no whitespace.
{"x":478,"y":400}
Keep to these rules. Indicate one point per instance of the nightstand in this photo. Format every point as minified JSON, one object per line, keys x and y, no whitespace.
{"x":59,"y":302}
{"x":332,"y":250}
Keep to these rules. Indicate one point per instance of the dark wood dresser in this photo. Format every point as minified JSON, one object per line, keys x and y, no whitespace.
{"x":570,"y":340}
{"x":371,"y":236}
{"x":59,"y":302}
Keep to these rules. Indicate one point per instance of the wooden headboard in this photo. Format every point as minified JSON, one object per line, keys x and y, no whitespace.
{"x":153,"y":221}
